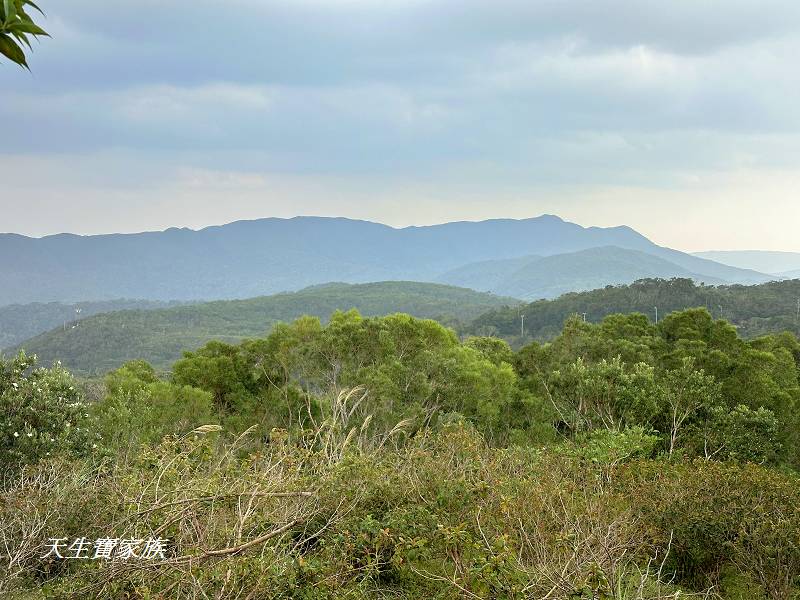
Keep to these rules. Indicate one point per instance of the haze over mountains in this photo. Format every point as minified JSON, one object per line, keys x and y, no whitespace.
{"x":784,"y":264}
{"x":251,"y":258}
{"x":551,"y":276}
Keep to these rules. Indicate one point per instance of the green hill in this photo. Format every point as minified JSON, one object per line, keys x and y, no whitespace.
{"x":19,"y":322}
{"x":755,"y":310}
{"x":103,"y":342}
{"x":537,"y":277}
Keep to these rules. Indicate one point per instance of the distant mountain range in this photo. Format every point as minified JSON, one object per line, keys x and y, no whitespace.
{"x":102,"y":342}
{"x":784,"y":264}
{"x":252,"y":258}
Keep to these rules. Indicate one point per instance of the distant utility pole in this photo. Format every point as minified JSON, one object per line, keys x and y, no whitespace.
{"x":656,"y":314}
{"x":797,"y":314}
{"x":522,"y":326}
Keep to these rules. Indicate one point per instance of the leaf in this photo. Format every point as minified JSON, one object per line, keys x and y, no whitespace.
{"x":11,"y":50}
{"x":28,"y":27}
{"x":10,"y":7}
{"x":33,"y":4}
{"x":21,"y":37}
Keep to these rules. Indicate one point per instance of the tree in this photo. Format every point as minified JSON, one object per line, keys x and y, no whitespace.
{"x":607,"y":394}
{"x":16,"y":29}
{"x":140,"y":407}
{"x":411,"y":370}
{"x":686,"y":391}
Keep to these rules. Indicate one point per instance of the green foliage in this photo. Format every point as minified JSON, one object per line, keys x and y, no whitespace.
{"x":411,"y":370}
{"x":16,"y":29}
{"x":714,"y":515}
{"x":755,"y":310}
{"x":20,"y":322}
{"x":705,"y":390}
{"x":130,"y":377}
{"x":42,"y":413}
{"x":609,"y":447}
{"x":140,"y":408}
{"x":445,"y":516}
{"x":495,"y":350}
{"x":747,"y":435}
{"x":384,"y":457}
{"x":103,"y":342}
{"x":605,"y":394}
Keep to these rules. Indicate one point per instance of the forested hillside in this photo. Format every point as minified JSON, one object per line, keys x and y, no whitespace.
{"x":19,"y":322}
{"x":753,"y":310}
{"x":103,"y":342}
{"x":384,"y":458}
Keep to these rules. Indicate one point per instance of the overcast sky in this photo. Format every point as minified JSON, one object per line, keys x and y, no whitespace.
{"x":679,"y":118}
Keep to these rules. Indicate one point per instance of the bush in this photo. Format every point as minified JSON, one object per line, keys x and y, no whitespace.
{"x":42,"y":413}
{"x":140,"y":408}
{"x":713,"y":516}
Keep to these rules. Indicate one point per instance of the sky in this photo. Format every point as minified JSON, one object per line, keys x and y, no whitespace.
{"x":680,"y":119}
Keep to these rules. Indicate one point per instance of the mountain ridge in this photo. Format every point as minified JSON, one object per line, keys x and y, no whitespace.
{"x":547,"y":277}
{"x":251,"y":258}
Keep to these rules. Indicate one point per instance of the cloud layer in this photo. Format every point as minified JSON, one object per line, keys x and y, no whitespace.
{"x":150,"y":114}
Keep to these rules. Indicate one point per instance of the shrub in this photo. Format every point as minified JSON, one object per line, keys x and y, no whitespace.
{"x":140,"y":408}
{"x":42,"y":413}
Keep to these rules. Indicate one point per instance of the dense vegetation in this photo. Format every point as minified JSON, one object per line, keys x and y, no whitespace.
{"x":383,"y":457}
{"x":754,"y":310}
{"x":105,"y":341}
{"x":20,"y":322}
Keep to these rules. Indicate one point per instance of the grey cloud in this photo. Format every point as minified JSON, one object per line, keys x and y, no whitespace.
{"x":512,"y":92}
{"x":295,"y":42}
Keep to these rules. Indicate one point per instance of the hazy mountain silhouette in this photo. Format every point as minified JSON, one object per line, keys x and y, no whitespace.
{"x":533,"y":278}
{"x":251,"y":258}
{"x":766,"y":261}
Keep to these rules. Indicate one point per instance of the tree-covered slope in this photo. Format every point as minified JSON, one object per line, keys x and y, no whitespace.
{"x":754,"y":310}
{"x":105,"y":341}
{"x":19,"y":322}
{"x":538,"y":277}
